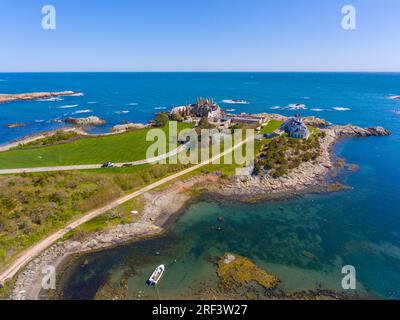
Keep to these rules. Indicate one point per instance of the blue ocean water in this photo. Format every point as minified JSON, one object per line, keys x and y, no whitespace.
{"x":359,"y":227}
{"x":136,"y":97}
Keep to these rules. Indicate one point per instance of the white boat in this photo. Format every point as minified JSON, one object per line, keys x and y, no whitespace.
{"x":156,"y":275}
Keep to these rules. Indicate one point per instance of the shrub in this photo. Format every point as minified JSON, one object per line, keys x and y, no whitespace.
{"x":283,"y":154}
{"x":161,"y":120}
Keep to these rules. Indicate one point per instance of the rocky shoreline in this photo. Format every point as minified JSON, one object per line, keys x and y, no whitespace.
{"x":33,"y":96}
{"x":158,"y":209}
{"x":308,"y":176}
{"x":28,"y":284}
{"x":160,"y":205}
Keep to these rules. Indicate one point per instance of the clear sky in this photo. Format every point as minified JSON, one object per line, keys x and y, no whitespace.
{"x":199,"y":35}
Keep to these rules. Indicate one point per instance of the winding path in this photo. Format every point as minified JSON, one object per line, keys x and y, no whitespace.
{"x":35,"y":250}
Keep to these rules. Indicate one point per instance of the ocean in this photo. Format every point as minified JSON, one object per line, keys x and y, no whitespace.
{"x":136,"y":97}
{"x":359,"y":227}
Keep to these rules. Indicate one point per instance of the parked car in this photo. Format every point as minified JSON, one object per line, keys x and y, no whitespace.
{"x":108,"y":165}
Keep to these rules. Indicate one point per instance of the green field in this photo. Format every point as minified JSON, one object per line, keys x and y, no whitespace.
{"x":125,"y":147}
{"x":271,"y":126}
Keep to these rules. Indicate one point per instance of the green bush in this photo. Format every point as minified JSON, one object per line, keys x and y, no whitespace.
{"x":161,"y":119}
{"x":282,"y":154}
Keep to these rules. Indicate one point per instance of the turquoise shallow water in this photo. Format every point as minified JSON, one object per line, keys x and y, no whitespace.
{"x":359,"y":227}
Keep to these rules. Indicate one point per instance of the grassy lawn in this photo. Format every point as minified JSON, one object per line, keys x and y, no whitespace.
{"x":123,"y":147}
{"x":271,"y":126}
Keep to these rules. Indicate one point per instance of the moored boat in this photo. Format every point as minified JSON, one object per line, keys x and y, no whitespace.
{"x":156,"y":275}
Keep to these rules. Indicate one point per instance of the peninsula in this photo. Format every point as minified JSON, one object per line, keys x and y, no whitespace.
{"x":293,"y":155}
{"x":33,"y":96}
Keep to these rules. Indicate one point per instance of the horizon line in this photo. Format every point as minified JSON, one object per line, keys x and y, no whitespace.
{"x":211,"y":71}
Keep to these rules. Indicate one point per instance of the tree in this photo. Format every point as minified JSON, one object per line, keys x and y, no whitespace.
{"x":176,"y":117}
{"x":204,"y":124}
{"x":161,"y":120}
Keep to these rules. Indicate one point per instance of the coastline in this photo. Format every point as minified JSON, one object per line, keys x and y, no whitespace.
{"x":156,"y":213}
{"x":309,"y":177}
{"x":118,"y":129}
{"x":40,"y":135}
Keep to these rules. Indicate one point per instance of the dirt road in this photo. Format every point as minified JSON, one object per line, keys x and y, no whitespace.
{"x":32,"y":252}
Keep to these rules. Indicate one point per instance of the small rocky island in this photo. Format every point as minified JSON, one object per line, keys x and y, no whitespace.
{"x":14,"y":125}
{"x":88,"y":121}
{"x":33,"y":96}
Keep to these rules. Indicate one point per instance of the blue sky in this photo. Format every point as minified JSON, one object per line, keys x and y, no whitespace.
{"x":199,"y":35}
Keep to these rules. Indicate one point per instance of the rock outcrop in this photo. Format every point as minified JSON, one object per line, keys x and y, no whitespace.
{"x":15,"y":125}
{"x":88,"y":121}
{"x":355,"y":131}
{"x":316,"y":122}
{"x":129,"y":126}
{"x":33,"y":96}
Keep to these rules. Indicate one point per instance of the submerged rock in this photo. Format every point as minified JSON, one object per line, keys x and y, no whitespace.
{"x":310,"y":255}
{"x":234,"y":270}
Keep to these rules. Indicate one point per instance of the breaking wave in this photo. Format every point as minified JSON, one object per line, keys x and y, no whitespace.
{"x":50,"y":99}
{"x":68,"y":106}
{"x":296,"y":106}
{"x":229,"y":101}
{"x":82,"y":111}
